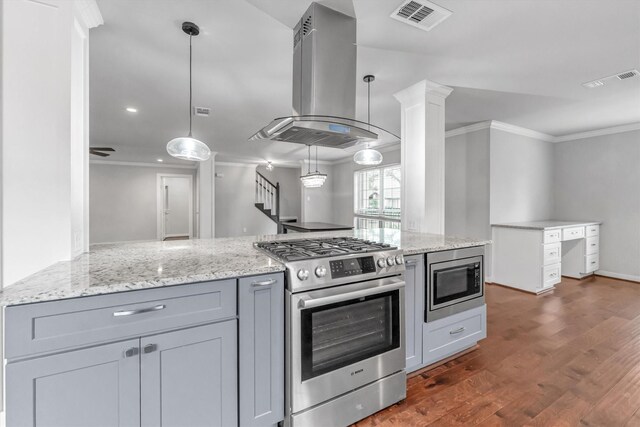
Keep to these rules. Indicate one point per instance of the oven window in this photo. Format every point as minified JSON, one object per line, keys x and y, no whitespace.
{"x":340,"y":334}
{"x":455,"y":282}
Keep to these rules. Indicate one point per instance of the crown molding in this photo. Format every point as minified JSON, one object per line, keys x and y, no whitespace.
{"x":416,"y":92}
{"x":468,"y":129}
{"x":517,"y":130}
{"x":141,"y":164}
{"x":238,"y":164}
{"x":89,"y":13}
{"x":598,"y":132}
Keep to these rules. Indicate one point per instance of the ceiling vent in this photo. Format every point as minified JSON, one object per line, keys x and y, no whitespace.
{"x":421,"y":14}
{"x":202,"y":111}
{"x":620,"y":76}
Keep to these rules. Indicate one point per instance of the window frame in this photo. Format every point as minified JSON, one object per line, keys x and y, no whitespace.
{"x":380,"y":218}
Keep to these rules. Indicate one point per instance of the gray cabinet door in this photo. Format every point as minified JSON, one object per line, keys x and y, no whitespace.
{"x":189,"y":377}
{"x":98,"y":386}
{"x":414,"y":309}
{"x":261,"y":347}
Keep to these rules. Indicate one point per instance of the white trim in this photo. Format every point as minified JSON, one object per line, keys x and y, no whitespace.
{"x":517,"y":130}
{"x":244,"y":165}
{"x":160,"y":231}
{"x":89,"y":12}
{"x":598,"y":132}
{"x":618,"y":275}
{"x":146,"y":165}
{"x":468,"y":129}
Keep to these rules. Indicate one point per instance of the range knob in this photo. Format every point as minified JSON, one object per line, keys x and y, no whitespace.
{"x":399,"y":259}
{"x":321,"y":271}
{"x":382,"y":263}
{"x":390,"y":261}
{"x":303,"y":274}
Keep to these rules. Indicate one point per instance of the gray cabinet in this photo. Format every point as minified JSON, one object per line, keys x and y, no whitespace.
{"x":261,"y":349}
{"x":188,"y":377}
{"x":98,"y":386}
{"x":414,"y":309}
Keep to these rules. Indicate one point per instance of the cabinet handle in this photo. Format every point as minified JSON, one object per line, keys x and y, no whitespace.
{"x":593,"y":262}
{"x":139,"y":311}
{"x":457,"y":331}
{"x":552,"y":253}
{"x":410,"y":262}
{"x":552,"y":275}
{"x":267,"y":282}
{"x":593,"y":244}
{"x":150,"y":348}
{"x":130,"y":352}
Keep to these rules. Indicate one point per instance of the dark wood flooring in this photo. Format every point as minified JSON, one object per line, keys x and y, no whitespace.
{"x":566,"y":358}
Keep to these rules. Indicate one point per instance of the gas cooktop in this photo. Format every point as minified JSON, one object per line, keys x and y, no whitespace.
{"x":303,"y":249}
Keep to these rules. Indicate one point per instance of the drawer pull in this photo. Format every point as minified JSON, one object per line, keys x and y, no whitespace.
{"x":553,"y":253}
{"x":139,"y":311}
{"x":150,"y":348}
{"x":593,"y":262}
{"x":457,"y":331}
{"x":552,"y":275}
{"x":268,"y":282}
{"x":593,"y":244}
{"x":130,"y":352}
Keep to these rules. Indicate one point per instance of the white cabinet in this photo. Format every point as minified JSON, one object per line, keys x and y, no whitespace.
{"x":445,"y":337}
{"x":534,"y":259}
{"x":414,"y":309}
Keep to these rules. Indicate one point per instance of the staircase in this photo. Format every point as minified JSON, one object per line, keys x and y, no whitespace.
{"x":267,"y":199}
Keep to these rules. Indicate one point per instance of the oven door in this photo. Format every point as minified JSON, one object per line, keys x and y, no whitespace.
{"x":344,"y":337}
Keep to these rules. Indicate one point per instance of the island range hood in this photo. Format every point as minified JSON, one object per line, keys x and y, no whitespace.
{"x":324,"y":91}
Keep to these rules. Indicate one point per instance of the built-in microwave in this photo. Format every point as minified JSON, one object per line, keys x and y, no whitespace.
{"x":454,"y":282}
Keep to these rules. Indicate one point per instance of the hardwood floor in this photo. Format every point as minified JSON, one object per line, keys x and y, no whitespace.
{"x":566,"y":358}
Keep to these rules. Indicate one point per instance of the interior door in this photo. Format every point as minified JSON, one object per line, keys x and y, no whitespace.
{"x":176,"y":204}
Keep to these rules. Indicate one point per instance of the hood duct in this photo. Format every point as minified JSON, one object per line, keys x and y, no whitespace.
{"x":324,"y":91}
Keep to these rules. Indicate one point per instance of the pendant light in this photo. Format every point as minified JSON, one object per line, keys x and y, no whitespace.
{"x":315,"y":179}
{"x":368,"y":156}
{"x":187,"y":147}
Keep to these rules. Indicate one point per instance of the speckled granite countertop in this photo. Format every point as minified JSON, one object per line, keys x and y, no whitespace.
{"x":109,"y":268}
{"x":546,"y":224}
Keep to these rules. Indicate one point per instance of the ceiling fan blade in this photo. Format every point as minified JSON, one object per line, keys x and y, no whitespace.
{"x":101,"y":149}
{"x":97,"y":153}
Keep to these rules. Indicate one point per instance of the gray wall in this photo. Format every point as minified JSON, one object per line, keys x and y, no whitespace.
{"x":521,"y":178}
{"x":289,"y":179}
{"x":342,"y":185}
{"x":318,"y":203}
{"x":599,"y":178}
{"x":123,"y":201}
{"x":467,"y":185}
{"x":236,"y":214}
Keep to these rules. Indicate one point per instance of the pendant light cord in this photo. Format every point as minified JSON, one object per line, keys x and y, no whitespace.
{"x":369,"y":104}
{"x":190,"y":90}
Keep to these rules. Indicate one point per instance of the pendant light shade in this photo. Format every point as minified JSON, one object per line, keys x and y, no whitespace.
{"x":368,"y":156}
{"x":315,"y":179}
{"x":187,"y":147}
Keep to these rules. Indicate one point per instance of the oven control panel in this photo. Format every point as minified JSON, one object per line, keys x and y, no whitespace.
{"x":352,"y":266}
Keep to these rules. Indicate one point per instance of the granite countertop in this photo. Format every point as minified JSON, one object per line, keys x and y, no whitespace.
{"x":109,"y":268}
{"x":546,"y":224}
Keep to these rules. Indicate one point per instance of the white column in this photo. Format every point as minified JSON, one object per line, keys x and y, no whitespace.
{"x":206,"y":206}
{"x":422,"y":156}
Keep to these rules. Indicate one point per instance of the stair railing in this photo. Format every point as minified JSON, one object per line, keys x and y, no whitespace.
{"x":268,"y":195}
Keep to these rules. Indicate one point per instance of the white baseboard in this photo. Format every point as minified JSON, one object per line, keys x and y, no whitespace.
{"x":618,"y":275}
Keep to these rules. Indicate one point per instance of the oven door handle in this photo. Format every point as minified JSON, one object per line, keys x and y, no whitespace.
{"x":307,"y":302}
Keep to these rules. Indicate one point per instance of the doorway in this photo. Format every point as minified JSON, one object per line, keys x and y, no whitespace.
{"x":175,"y":206}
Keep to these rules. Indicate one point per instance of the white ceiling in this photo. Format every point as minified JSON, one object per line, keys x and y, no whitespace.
{"x":520,"y":62}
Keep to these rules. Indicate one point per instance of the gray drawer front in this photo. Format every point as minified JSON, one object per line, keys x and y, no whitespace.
{"x":57,"y":325}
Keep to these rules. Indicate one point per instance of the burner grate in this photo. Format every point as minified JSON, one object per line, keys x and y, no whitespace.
{"x":295,"y":250}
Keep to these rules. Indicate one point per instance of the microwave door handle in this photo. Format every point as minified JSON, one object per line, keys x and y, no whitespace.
{"x":307,"y":302}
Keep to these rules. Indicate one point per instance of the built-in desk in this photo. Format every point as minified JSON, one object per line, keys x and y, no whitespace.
{"x":533,"y":255}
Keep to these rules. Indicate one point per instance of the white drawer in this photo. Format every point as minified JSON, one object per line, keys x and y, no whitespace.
{"x":552,"y":236}
{"x":450,"y":335}
{"x":551,"y":254}
{"x":593,"y":245}
{"x":572,"y":233}
{"x":593,"y":230}
{"x":592,"y":263}
{"x":551,"y":275}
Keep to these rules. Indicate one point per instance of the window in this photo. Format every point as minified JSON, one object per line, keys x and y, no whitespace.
{"x":377,"y":197}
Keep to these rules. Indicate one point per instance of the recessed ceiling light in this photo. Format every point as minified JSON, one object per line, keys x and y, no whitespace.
{"x":160,"y":160}
{"x":132,"y":110}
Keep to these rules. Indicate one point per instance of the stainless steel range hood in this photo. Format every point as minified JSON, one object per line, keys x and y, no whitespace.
{"x":324,"y":91}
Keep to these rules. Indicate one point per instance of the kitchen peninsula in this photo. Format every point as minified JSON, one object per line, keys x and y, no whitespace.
{"x":97,"y":327}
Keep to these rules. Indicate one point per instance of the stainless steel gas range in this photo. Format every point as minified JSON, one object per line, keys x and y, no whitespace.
{"x":345,"y":344}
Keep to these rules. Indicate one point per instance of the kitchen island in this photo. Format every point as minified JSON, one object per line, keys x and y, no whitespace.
{"x":190,"y":330}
